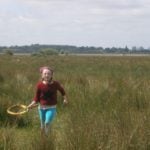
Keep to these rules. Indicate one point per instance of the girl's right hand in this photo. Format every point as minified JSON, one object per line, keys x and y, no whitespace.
{"x":33,"y":104}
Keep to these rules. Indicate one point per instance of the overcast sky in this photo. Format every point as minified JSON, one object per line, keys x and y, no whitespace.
{"x":105,"y":23}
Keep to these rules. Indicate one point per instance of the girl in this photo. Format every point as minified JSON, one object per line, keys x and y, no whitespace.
{"x":46,"y":96}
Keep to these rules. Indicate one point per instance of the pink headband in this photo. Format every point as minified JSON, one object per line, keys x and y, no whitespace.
{"x":45,"y":67}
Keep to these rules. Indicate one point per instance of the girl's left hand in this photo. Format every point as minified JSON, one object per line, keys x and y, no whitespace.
{"x":65,"y":102}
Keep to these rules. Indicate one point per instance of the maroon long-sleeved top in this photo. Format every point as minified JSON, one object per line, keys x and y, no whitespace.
{"x":46,"y":94}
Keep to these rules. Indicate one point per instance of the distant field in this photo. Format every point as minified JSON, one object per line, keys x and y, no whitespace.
{"x":109,"y":103}
{"x":73,"y":54}
{"x":110,"y":54}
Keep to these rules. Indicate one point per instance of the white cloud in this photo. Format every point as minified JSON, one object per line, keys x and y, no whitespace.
{"x":79,"y":22}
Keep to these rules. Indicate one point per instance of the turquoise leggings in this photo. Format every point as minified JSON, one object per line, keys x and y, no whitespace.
{"x":46,"y":115}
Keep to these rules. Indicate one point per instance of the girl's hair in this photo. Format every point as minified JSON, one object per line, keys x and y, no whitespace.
{"x":46,"y":67}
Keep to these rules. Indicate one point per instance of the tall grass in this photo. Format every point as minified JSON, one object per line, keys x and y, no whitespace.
{"x":108,"y":109}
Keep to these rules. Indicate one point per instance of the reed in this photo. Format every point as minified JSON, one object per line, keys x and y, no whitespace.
{"x":108,"y":109}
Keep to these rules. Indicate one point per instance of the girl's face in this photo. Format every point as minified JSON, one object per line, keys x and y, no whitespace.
{"x":46,"y":75}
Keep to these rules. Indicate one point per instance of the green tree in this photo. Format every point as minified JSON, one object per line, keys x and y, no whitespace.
{"x":48,"y":51}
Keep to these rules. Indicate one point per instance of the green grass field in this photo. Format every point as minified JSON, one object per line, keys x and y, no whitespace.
{"x":109,"y":103}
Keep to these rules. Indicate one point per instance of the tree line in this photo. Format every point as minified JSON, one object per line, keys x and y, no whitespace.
{"x":38,"y":49}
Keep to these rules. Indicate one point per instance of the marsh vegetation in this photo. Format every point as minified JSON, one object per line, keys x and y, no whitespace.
{"x":109,"y":103}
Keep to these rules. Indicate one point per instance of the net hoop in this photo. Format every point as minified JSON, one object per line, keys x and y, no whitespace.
{"x":23,"y":107}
